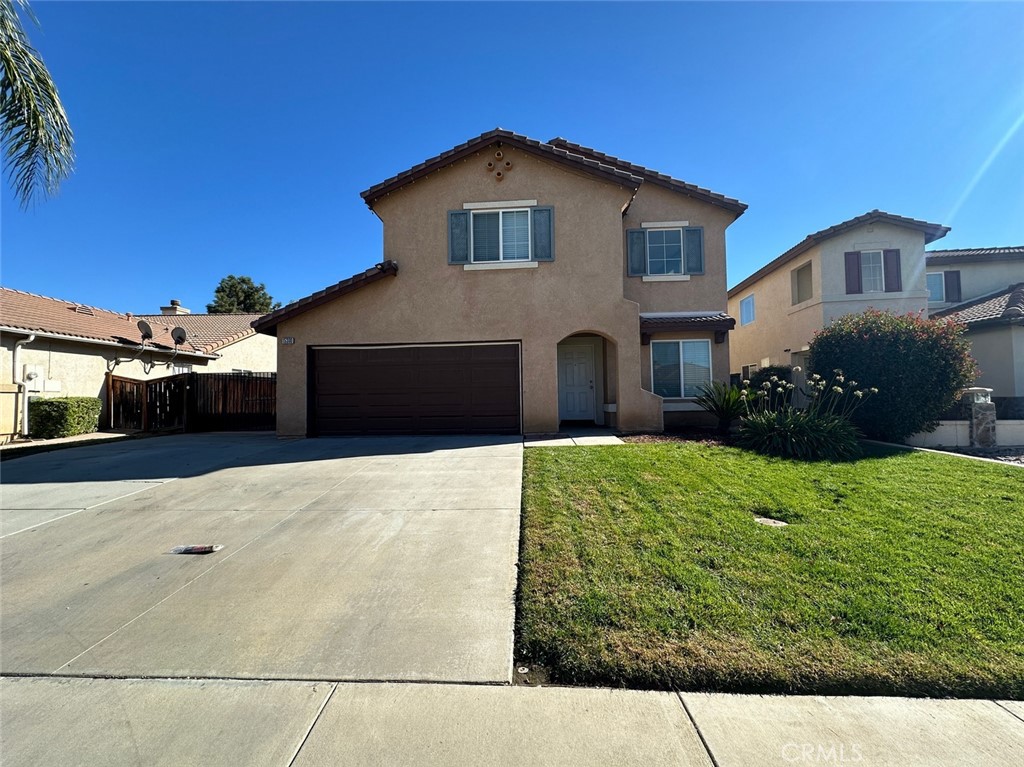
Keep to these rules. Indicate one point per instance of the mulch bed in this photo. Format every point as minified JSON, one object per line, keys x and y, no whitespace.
{"x":698,"y":436}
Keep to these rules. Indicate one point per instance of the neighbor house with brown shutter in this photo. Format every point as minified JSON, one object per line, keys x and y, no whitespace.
{"x":523,"y":285}
{"x":873,"y":261}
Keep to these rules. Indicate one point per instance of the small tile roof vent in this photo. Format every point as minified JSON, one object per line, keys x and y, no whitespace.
{"x":83,"y":309}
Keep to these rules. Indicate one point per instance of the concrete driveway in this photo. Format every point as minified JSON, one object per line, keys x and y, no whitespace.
{"x":344,"y":559}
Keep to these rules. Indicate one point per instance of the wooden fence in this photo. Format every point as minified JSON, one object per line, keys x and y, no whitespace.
{"x":193,"y":402}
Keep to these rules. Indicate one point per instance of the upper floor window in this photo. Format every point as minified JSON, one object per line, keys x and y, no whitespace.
{"x":873,"y":271}
{"x":491,"y":236}
{"x":747,"y":310}
{"x":944,"y":287}
{"x":803,"y":288}
{"x":500,"y":235}
{"x":871,"y":275}
{"x":661,"y":251}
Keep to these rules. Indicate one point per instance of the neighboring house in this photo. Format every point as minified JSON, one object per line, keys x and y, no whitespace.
{"x":995,"y":328}
{"x":524,"y":284}
{"x":872,"y":261}
{"x":56,"y":348}
{"x":984,"y":289}
{"x":955,"y":276}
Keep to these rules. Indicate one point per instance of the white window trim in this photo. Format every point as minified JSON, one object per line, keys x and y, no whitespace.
{"x":679,"y":345}
{"x":666,"y":278}
{"x":486,"y":265}
{"x":753,"y":310}
{"x":501,"y":236}
{"x":497,"y":205}
{"x":664,"y":224}
{"x":942,"y":281}
{"x":881,"y":265}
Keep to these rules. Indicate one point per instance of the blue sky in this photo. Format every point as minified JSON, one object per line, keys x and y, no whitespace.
{"x":217,"y":138}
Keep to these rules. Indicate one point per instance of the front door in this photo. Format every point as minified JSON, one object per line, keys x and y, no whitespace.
{"x":576,"y":383}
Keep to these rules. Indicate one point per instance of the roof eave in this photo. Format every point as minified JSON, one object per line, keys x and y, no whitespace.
{"x":267,"y":324}
{"x":471,"y":147}
{"x":931,"y":233}
{"x":106,"y":342}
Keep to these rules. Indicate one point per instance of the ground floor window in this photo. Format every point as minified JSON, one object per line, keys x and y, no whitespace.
{"x":680,"y":368}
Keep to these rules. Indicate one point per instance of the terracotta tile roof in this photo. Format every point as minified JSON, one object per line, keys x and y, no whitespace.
{"x":207,"y":332}
{"x":31,"y":312}
{"x":931,"y":232}
{"x":517,"y":140}
{"x":269,"y":322}
{"x":655,"y":322}
{"x":973,"y":255}
{"x":1006,"y":306}
{"x":653,"y":176}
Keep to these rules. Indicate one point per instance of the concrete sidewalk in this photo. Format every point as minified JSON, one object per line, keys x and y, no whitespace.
{"x":54,"y":720}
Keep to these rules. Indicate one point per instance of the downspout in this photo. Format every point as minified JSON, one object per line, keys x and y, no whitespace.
{"x":22,"y":385}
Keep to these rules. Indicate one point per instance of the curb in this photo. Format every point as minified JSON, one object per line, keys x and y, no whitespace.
{"x":911,"y":448}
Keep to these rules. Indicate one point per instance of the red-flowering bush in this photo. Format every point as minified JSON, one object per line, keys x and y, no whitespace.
{"x":918,"y":365}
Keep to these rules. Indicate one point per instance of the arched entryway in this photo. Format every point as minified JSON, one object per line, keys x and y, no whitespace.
{"x":587,"y":375}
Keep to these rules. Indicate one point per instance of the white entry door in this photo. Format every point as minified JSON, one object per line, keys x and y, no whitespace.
{"x":576,"y":383}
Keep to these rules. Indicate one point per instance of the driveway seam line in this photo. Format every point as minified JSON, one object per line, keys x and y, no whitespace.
{"x":1014,"y":714}
{"x":204,"y":572}
{"x":89,"y":508}
{"x":696,"y":727}
{"x":316,"y":719}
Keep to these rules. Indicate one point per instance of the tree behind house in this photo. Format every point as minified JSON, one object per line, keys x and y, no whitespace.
{"x":240,"y":295}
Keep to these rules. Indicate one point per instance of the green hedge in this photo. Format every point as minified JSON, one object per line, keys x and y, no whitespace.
{"x":63,"y":416}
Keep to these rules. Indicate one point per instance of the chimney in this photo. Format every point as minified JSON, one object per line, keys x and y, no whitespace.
{"x":174,"y":308}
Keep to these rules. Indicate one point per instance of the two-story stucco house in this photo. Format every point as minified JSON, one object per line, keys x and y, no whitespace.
{"x":524,"y":284}
{"x":876,"y":260}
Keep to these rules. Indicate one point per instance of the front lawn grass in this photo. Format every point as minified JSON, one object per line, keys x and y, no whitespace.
{"x":900,"y":573}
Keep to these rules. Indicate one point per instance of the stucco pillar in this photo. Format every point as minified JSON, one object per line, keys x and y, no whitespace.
{"x":540,"y":387}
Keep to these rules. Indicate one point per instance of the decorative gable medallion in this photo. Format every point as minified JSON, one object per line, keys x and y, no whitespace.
{"x":499,"y":166}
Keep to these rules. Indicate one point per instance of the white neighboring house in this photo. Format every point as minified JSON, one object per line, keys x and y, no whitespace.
{"x":876,"y":260}
{"x":51,"y":347}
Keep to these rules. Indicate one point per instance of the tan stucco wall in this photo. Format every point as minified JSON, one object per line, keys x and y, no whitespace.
{"x":779,"y":325}
{"x":980,"y":279}
{"x":702,"y":291}
{"x":999,"y":351}
{"x":257,"y":354}
{"x":431,"y":301}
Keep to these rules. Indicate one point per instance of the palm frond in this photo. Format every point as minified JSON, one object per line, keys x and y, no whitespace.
{"x":38,"y":145}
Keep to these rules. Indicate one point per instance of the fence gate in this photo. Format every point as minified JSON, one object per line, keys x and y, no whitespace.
{"x":193,"y":402}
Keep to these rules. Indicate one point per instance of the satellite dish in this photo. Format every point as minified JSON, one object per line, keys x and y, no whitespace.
{"x":178,"y":334}
{"x":146,"y":330}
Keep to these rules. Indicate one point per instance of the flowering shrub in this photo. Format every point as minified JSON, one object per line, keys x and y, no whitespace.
{"x":793,"y":433}
{"x":819,"y":431}
{"x":920,"y":365}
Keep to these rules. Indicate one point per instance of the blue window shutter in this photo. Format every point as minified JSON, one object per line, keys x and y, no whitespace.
{"x":543,"y":234}
{"x":636,"y":245}
{"x":693,"y":249}
{"x":458,"y":237}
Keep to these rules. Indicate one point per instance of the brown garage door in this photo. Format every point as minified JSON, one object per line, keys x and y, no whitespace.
{"x":415,"y":390}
